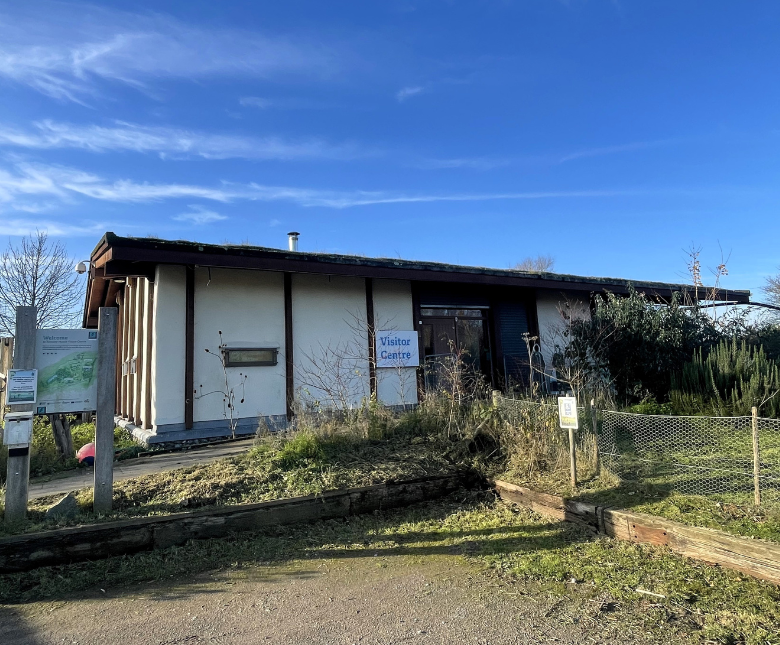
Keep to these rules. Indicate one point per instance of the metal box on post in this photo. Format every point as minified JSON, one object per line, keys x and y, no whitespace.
{"x":17,"y":432}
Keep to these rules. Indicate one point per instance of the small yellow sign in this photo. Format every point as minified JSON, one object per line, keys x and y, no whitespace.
{"x":567,"y":412}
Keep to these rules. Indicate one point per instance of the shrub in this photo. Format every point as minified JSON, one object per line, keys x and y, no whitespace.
{"x":728,"y":381}
{"x":638,"y":344}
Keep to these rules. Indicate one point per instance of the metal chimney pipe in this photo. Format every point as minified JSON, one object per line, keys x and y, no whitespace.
{"x":292,"y":240}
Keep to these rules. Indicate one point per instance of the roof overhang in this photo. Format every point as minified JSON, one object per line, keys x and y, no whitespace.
{"x":122,"y":257}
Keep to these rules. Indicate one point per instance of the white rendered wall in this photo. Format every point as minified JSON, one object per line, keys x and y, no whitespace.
{"x":393,"y":311}
{"x":248,"y":308}
{"x":168,"y":348}
{"x":328,"y":314}
{"x":551,"y":322}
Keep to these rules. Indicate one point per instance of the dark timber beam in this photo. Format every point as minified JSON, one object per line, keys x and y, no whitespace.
{"x":189,"y":348}
{"x":289,"y":364}
{"x":371,"y":330}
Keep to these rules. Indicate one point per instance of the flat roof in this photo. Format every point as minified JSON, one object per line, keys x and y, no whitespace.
{"x":116,"y":257}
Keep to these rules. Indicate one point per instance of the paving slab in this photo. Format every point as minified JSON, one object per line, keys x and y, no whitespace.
{"x":132,"y":468}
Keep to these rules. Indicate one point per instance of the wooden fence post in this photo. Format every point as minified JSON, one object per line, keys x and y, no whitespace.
{"x":496,"y":394}
{"x":6,"y":356}
{"x":594,"y":424}
{"x":18,"y":477}
{"x":756,"y":459}
{"x":572,"y":458}
{"x":106,"y":403}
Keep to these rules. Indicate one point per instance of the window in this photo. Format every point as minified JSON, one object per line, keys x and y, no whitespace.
{"x":450,"y":311}
{"x":250,"y":356}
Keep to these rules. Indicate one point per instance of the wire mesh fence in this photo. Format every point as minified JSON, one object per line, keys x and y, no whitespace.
{"x":540,"y":445}
{"x":730,"y":458}
{"x":712,"y":456}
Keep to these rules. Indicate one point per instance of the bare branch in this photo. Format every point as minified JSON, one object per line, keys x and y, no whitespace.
{"x":39,"y":273}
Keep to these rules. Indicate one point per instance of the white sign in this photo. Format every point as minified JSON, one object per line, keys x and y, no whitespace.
{"x":67,"y":370}
{"x":397,"y":349}
{"x":21,"y":387}
{"x":567,"y":412}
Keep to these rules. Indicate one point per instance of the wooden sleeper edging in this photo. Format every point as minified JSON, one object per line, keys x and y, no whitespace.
{"x":757,"y":558}
{"x":124,"y":537}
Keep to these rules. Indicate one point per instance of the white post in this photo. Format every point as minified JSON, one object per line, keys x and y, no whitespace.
{"x":18,"y":477}
{"x":106,"y":403}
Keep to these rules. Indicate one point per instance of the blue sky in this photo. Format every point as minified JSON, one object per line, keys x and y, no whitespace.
{"x":610,"y":135}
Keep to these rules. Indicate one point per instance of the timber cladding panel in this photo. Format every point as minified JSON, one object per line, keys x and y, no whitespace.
{"x":757,"y":558}
{"x":62,"y":546}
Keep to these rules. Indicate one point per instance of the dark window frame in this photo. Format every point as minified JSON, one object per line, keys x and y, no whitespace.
{"x":226,"y":351}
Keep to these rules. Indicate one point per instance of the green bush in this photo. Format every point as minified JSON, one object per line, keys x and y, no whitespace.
{"x":303,"y":447}
{"x":651,"y":407}
{"x":729,"y":380}
{"x":635,"y":344}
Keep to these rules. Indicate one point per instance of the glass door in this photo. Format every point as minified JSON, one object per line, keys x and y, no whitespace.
{"x":447,"y":331}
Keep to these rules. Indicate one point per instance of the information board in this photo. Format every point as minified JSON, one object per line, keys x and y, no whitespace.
{"x":67,"y":370}
{"x":567,"y":412}
{"x":21,"y":387}
{"x":397,"y":349}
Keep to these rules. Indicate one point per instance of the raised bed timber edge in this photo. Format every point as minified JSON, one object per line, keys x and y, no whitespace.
{"x":757,"y":558}
{"x":62,"y":546}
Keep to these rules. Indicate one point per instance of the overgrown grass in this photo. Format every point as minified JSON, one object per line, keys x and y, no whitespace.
{"x":705,"y":602}
{"x":278,"y":466}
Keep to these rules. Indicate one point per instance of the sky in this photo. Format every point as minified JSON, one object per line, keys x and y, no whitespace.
{"x":612,"y":136}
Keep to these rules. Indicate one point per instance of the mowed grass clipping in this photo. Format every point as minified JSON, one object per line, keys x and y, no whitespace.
{"x":277,"y":467}
{"x":707,"y":603}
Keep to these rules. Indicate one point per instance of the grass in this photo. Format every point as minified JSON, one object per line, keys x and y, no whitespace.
{"x":705,"y":602}
{"x":657,"y":476}
{"x":277,"y":467}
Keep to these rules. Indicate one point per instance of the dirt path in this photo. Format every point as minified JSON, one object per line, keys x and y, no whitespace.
{"x":131,"y":468}
{"x":376,"y":600}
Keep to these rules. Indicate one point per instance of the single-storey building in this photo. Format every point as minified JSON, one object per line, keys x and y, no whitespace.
{"x":273,"y":326}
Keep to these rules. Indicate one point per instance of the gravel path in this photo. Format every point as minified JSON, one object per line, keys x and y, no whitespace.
{"x":373,"y":600}
{"x":131,"y":468}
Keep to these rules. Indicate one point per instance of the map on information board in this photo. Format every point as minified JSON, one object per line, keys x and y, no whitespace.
{"x":67,"y":369}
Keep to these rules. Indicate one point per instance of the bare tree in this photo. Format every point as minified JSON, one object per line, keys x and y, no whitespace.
{"x":39,"y":273}
{"x":539,"y":264}
{"x":772,"y":289}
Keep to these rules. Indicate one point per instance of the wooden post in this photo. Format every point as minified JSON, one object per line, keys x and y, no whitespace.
{"x":594,"y":424}
{"x":18,"y":476}
{"x":756,"y":459}
{"x":6,"y":358}
{"x":106,"y":403}
{"x":496,"y":394}
{"x":572,"y":458}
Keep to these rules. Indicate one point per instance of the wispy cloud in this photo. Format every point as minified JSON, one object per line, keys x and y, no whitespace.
{"x":285,"y":103}
{"x":66,"y":53}
{"x":171,"y":142}
{"x":474,"y":163}
{"x":20,"y":227}
{"x":256,"y":101}
{"x":408,"y":92}
{"x":200,"y":215}
{"x":27,"y":181}
{"x":611,"y":150}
